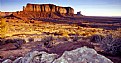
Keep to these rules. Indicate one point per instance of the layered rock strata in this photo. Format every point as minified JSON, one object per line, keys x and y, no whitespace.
{"x":48,"y":8}
{"x":44,"y":10}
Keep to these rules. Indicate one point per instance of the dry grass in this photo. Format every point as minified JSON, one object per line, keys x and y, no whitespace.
{"x":66,"y":30}
{"x":3,"y":27}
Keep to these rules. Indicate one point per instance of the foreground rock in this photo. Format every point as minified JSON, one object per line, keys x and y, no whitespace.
{"x":80,"y":55}
{"x":36,"y":57}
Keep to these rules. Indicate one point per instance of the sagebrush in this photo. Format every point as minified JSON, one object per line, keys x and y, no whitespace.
{"x":111,"y":45}
{"x":47,"y":41}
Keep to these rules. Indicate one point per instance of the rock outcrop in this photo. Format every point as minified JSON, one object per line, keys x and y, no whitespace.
{"x":36,"y":57}
{"x":48,"y":8}
{"x":43,"y":10}
{"x":80,"y":55}
{"x":31,"y":11}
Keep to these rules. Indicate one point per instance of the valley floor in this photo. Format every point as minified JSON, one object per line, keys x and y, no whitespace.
{"x":33,"y":31}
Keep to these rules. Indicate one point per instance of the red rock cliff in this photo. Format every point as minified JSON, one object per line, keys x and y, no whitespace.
{"x":44,"y":10}
{"x":48,"y":8}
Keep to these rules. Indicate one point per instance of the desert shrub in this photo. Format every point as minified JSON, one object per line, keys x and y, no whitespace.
{"x":47,"y":41}
{"x":19,"y":42}
{"x":6,"y":41}
{"x":31,"y":39}
{"x":64,"y":38}
{"x":9,"y":41}
{"x":111,"y":45}
{"x":96,"y":38}
{"x":75,"y":38}
{"x":2,"y":41}
{"x":3,"y":27}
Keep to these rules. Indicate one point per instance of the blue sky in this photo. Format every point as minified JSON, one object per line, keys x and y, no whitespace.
{"x":87,"y":7}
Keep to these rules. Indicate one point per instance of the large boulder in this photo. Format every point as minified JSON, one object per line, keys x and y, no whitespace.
{"x":36,"y":57}
{"x":82,"y":55}
{"x":79,"y":55}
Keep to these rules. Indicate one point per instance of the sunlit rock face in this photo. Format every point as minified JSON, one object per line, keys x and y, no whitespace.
{"x":82,"y":55}
{"x":53,"y":8}
{"x":48,"y":8}
{"x":70,"y":10}
{"x":43,"y":10}
{"x":62,"y":10}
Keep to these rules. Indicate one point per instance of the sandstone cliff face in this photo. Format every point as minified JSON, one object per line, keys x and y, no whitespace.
{"x":44,"y":10}
{"x":70,"y":10}
{"x":48,"y":8}
{"x":62,"y":10}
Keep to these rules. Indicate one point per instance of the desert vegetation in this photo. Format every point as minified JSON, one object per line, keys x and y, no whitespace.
{"x":47,"y":41}
{"x":21,"y":36}
{"x":111,"y":45}
{"x":3,"y":27}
